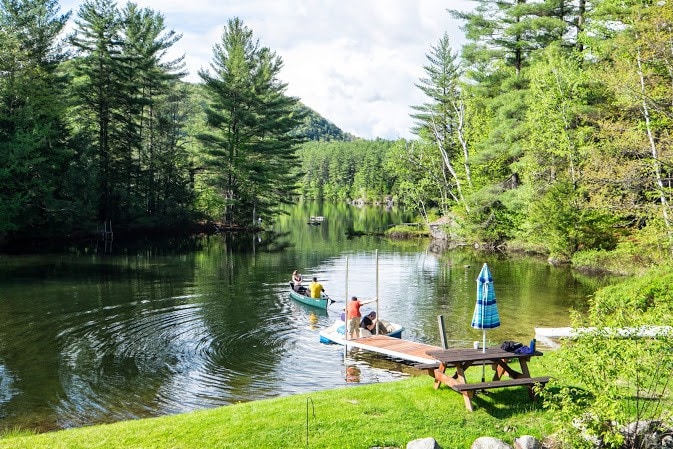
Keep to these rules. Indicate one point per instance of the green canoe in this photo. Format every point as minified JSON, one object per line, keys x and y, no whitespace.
{"x":321,"y":303}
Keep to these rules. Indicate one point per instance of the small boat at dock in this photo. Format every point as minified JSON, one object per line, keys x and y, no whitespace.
{"x":336,"y":333}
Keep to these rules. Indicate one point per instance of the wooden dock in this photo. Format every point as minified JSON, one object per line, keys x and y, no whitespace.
{"x":549,"y":335}
{"x":630,"y":332}
{"x":396,"y":348}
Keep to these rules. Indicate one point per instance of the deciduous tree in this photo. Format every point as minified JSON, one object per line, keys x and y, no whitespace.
{"x":632,"y":46}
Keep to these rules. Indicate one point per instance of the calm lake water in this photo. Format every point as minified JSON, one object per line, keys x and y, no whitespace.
{"x":90,"y":336}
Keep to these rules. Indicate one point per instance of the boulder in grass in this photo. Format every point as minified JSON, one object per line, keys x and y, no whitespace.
{"x":648,"y":435}
{"x":489,"y":443}
{"x":423,"y":443}
{"x":527,"y":442}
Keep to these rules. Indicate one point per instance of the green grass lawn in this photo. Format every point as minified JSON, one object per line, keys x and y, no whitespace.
{"x":385,"y":414}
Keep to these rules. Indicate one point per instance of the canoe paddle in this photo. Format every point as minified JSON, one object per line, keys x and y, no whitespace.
{"x":331,"y":301}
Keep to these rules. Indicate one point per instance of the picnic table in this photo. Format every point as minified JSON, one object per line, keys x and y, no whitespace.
{"x":499,"y":359}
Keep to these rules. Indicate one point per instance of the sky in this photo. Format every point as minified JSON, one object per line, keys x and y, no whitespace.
{"x":354,"y":62}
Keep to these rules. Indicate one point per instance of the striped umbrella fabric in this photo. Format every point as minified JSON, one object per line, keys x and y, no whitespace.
{"x":486,"y":310}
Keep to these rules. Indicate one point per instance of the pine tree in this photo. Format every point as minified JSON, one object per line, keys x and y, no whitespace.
{"x":33,"y":151}
{"x":173,"y":197}
{"x":249,"y":145}
{"x":441,"y":121}
{"x":510,"y":30}
{"x":146,"y":79}
{"x":98,"y":87}
{"x":121,"y":79}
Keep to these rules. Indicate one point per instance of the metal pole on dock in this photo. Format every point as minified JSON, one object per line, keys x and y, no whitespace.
{"x":442,"y":331}
{"x":346,"y":327}
{"x":346,"y":302}
{"x":378,"y":316}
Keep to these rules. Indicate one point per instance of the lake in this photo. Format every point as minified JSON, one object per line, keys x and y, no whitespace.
{"x":103,"y":333}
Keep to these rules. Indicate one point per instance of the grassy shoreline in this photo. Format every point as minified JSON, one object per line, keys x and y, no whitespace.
{"x":385,"y":414}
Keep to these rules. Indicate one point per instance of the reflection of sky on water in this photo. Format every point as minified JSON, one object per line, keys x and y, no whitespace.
{"x":7,"y":388}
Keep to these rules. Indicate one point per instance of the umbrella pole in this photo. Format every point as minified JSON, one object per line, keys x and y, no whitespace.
{"x":483,"y":346}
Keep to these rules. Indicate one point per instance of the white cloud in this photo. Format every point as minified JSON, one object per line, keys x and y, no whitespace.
{"x":353,"y":61}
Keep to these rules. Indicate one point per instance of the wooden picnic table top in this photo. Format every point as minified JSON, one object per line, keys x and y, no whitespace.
{"x":453,"y":356}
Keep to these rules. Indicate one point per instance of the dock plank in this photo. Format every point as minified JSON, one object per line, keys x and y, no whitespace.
{"x":395,"y":347}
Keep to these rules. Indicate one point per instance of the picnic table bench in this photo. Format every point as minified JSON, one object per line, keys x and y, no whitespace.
{"x":499,"y":359}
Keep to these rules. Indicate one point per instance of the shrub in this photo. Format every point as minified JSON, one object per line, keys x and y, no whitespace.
{"x":609,"y":376}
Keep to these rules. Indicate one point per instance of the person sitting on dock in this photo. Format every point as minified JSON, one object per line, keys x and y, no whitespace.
{"x":316,"y":288}
{"x":370,"y":323}
{"x":296,"y":282}
{"x":353,"y":315}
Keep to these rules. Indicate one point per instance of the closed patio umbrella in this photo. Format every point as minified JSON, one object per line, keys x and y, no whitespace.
{"x":486,"y":310}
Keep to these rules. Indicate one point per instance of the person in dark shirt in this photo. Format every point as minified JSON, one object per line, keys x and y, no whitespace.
{"x":370,"y":323}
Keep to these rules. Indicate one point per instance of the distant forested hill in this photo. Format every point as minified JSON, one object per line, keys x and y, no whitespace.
{"x":316,"y":127}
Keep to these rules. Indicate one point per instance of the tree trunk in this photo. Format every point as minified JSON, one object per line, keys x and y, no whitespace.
{"x":449,"y":166}
{"x":656,"y":162}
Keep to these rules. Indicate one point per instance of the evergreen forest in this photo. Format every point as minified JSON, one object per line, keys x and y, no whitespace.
{"x":97,"y":126}
{"x":549,"y":130}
